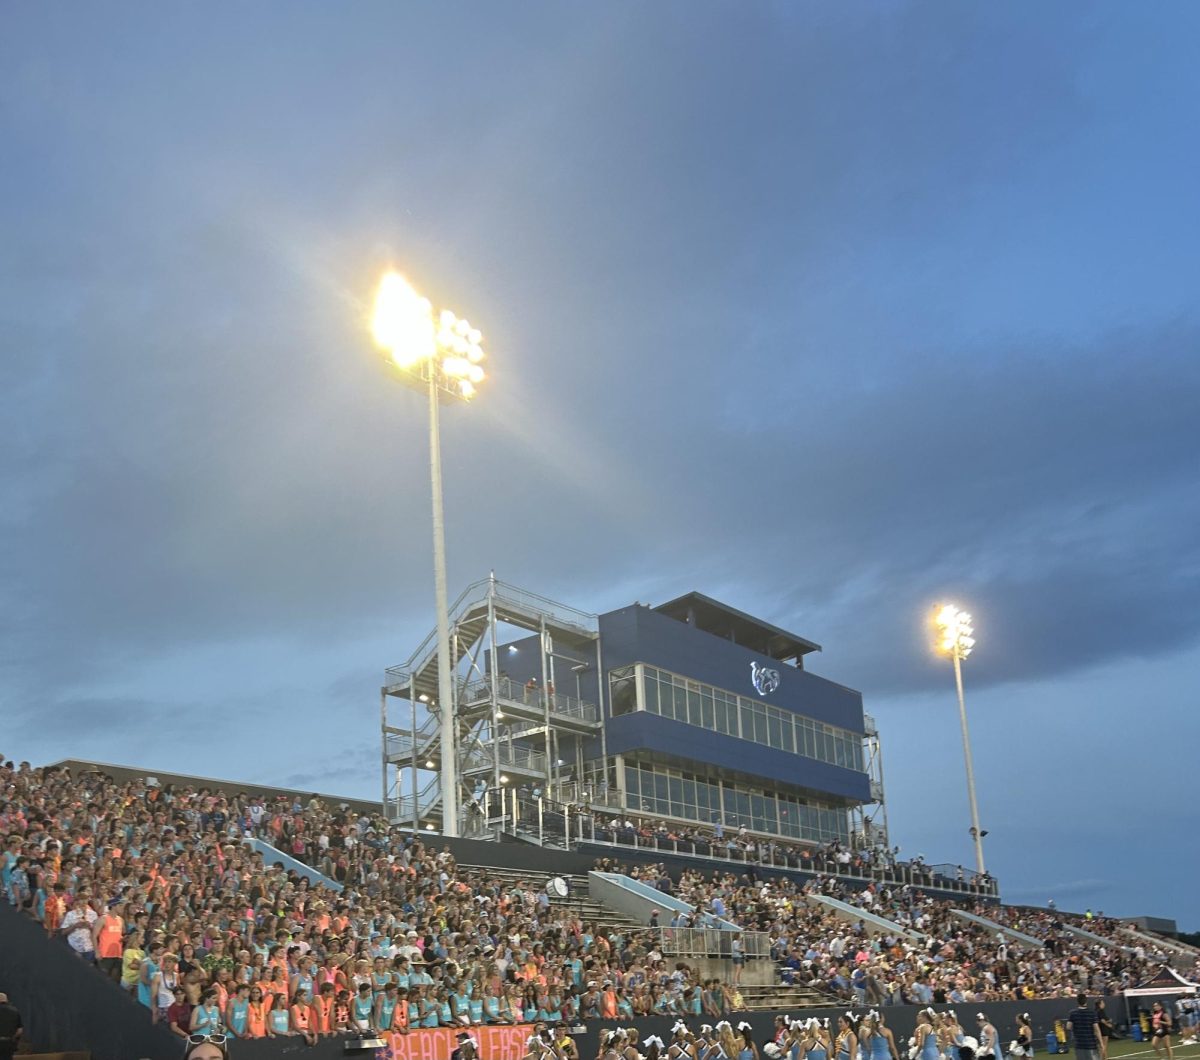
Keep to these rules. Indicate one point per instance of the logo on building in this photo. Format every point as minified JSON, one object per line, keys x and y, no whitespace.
{"x":765,"y":679}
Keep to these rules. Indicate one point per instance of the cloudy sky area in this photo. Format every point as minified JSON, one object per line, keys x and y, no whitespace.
{"x":830,"y":311}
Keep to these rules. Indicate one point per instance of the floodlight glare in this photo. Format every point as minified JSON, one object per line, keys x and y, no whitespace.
{"x":403,"y":321}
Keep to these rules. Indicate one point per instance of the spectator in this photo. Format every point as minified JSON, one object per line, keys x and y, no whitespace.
{"x":11,"y":1028}
{"x":1083,"y":1030}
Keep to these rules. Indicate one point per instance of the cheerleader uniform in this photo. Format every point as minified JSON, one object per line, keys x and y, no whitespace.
{"x":929,"y":1047}
{"x":879,"y":1047}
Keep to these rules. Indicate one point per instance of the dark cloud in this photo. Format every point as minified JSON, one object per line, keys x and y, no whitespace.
{"x":832,"y":315}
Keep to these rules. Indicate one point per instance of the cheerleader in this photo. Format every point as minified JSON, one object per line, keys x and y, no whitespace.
{"x":747,"y":1050}
{"x":847,"y":1040}
{"x":728,"y":1045}
{"x":610,"y":1043}
{"x":944,"y":1027}
{"x":925,"y":1044}
{"x":1160,"y":1031}
{"x":812,"y":1042}
{"x":1023,"y":1046}
{"x":653,"y":1046}
{"x":989,"y":1039}
{"x":682,"y":1045}
{"x":883,"y":1032}
{"x":882,"y":1044}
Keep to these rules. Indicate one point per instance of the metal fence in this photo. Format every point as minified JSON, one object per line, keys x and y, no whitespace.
{"x":709,"y":942}
{"x":561,"y":705}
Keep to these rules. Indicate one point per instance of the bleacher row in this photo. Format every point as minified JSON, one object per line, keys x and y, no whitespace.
{"x":156,"y":885}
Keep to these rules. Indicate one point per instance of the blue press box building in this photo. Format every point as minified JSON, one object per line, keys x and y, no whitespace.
{"x":690,"y":712}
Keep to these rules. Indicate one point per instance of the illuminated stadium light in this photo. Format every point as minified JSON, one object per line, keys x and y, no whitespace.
{"x":442,"y":355}
{"x":446,"y":351}
{"x":956,"y":634}
{"x":956,"y":638}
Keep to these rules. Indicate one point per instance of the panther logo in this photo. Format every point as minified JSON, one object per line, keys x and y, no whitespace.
{"x":765,"y":679}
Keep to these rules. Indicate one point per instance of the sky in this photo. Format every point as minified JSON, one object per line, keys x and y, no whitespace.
{"x":830,"y":311}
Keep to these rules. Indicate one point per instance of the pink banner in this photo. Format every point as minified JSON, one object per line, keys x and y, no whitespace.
{"x":495,"y":1043}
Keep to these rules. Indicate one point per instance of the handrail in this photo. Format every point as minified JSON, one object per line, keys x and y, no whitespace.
{"x":901,"y":875}
{"x":522,"y":757}
{"x":532,"y":695}
{"x":709,"y":942}
{"x":564,"y":614}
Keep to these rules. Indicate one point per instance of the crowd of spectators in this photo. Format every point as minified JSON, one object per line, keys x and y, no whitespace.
{"x":155,"y":885}
{"x":858,"y":860}
{"x":937,"y":957}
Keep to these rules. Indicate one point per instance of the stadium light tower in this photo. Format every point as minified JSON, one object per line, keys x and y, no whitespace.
{"x":956,"y":639}
{"x":443,"y":358}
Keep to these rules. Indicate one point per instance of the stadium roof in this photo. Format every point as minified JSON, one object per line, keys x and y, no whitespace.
{"x":729,"y":623}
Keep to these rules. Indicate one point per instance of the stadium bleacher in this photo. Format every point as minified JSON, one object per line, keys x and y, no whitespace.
{"x":155,"y":882}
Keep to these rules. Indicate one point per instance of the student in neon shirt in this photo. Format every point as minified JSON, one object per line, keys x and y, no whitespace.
{"x":302,"y":1017}
{"x":206,"y":1017}
{"x":256,"y":1014}
{"x":237,"y":1012}
{"x":278,"y":1023}
{"x":323,"y":1006}
{"x":400,"y":1015}
{"x":362,"y":1008}
{"x":386,"y":1007}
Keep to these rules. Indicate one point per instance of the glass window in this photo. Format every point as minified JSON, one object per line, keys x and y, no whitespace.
{"x":775,"y":730}
{"x":651,"y":689}
{"x":680,"y":703}
{"x":707,"y":716}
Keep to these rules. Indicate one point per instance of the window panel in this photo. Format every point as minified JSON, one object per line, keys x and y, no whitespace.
{"x":680,"y":703}
{"x":775,"y":731}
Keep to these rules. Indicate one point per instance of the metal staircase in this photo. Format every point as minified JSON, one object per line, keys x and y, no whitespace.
{"x":508,"y":733}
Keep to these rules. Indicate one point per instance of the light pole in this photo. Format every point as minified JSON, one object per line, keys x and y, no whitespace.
{"x":441,"y":358}
{"x":957,"y":641}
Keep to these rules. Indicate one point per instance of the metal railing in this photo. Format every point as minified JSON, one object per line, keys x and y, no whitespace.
{"x":773,"y":855}
{"x":517,"y":599}
{"x":709,"y":942}
{"x":427,"y":797}
{"x":514,"y":755}
{"x":561,"y":705}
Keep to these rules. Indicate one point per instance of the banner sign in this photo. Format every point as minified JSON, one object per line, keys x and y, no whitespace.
{"x":495,"y":1043}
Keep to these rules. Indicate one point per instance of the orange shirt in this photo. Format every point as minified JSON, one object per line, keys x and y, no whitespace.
{"x":256,"y":1021}
{"x":300,"y":1017}
{"x":110,"y":939}
{"x":324,"y":1007}
{"x":608,"y":1005}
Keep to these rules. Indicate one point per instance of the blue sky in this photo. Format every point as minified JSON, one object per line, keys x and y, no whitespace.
{"x":827,"y":310}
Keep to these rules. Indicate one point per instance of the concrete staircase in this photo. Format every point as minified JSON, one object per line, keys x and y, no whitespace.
{"x":1180,"y":955}
{"x":783,"y":998}
{"x":578,"y":902}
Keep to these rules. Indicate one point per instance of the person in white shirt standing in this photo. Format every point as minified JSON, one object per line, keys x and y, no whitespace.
{"x":77,"y":926}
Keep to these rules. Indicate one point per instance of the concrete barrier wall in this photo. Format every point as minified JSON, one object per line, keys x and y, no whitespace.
{"x":67,"y":1005}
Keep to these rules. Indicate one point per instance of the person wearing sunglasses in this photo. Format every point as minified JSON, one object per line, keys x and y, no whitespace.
{"x":206,"y":1047}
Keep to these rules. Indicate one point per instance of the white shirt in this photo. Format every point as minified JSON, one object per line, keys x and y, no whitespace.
{"x":80,"y":937}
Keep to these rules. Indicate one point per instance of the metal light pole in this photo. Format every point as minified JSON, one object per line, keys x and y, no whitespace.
{"x":444,"y":360}
{"x":958,"y":641}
